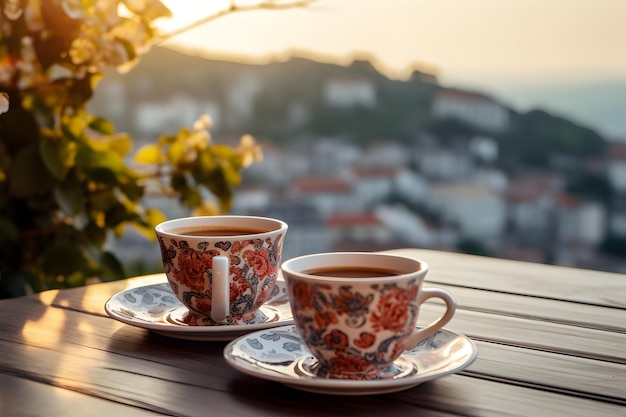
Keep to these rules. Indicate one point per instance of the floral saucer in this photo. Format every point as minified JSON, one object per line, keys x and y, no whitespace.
{"x":156,"y":308}
{"x":279,"y":355}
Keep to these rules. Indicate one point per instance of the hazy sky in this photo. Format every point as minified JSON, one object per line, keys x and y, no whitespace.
{"x":463,"y":39}
{"x":484,"y":43}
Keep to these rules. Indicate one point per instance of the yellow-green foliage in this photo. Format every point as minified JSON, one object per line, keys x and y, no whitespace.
{"x":68,"y":181}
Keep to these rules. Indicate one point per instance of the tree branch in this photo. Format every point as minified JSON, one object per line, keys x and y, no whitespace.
{"x":233,"y":8}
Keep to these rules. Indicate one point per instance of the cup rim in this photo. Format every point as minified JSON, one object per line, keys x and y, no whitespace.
{"x":191,"y":221}
{"x":287,"y":266}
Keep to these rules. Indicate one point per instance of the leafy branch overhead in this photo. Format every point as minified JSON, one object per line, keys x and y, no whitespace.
{"x":69,"y":182}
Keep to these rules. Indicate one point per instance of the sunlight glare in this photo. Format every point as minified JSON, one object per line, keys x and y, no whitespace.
{"x":44,"y":332}
{"x":187,"y":12}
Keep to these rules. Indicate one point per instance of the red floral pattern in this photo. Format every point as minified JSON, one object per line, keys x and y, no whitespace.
{"x":337,"y":340}
{"x":253,"y":268}
{"x":259,"y":261}
{"x":302,"y":294}
{"x":365,"y":340}
{"x":349,"y":364}
{"x":382,"y":317}
{"x":392,"y":311}
{"x":323,"y":319}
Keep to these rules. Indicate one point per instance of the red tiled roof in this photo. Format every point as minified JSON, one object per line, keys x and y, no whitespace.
{"x":353,"y":219}
{"x":618,"y":151}
{"x":322,"y":184}
{"x":369,"y":172}
{"x":567,"y":200}
{"x":530,"y":187}
{"x":464,"y":95}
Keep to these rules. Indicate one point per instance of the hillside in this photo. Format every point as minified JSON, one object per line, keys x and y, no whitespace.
{"x":402,"y":109}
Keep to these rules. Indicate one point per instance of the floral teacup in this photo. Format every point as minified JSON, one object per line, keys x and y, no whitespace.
{"x":222,"y":268}
{"x":357,"y":312}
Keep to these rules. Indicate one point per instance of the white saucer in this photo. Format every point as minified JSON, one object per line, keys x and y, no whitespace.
{"x":156,"y":308}
{"x":280,"y":355}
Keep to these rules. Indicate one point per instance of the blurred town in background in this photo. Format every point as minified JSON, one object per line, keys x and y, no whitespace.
{"x":354,"y":160}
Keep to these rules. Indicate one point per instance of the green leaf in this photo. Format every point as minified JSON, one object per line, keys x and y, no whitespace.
{"x":58,"y":155}
{"x":73,"y":127}
{"x":205,"y":166}
{"x":64,"y":258}
{"x":178,"y":182}
{"x":224,"y":152}
{"x":150,"y":220}
{"x":96,"y":156}
{"x":221,"y":189}
{"x":103,"y":176}
{"x":231,"y":175}
{"x":76,"y":279}
{"x":112,"y":267}
{"x":148,"y":154}
{"x":102,"y":125}
{"x":102,"y":201}
{"x":115,"y":215}
{"x":8,"y":229}
{"x":80,"y":91}
{"x":131,"y":187}
{"x":96,"y":235}
{"x":175,"y":153}
{"x":28,"y":175}
{"x":121,"y":144}
{"x":191,"y":197}
{"x":69,"y":196}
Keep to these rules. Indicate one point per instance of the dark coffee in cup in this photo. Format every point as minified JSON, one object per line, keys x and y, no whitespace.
{"x":352,"y":272}
{"x":217,"y":231}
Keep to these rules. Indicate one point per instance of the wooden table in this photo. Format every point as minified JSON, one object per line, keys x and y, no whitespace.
{"x":551,"y":340}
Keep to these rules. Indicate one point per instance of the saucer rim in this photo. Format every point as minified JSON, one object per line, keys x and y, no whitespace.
{"x":208,"y":333}
{"x":346,"y":386}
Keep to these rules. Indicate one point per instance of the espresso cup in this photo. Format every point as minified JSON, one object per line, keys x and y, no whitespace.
{"x":357,"y":312}
{"x":222,"y":268}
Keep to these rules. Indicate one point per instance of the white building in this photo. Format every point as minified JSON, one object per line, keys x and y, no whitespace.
{"x":350,"y":92}
{"x":477,"y":211}
{"x":241,"y":96}
{"x":330,"y":156}
{"x":357,"y":227}
{"x":327,"y":194}
{"x":444,"y":164}
{"x":372,"y":184}
{"x":406,"y":226}
{"x":531,"y":203}
{"x":386,"y":153}
{"x":473,"y":108}
{"x":412,"y":187}
{"x":579,"y":221}
{"x":168,"y":116}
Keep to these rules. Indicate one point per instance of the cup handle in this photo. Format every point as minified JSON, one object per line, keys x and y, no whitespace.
{"x":432,"y":328}
{"x":220,"y":298}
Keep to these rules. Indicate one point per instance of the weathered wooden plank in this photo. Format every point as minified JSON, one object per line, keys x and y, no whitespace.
{"x":91,"y":298}
{"x":538,"y":354}
{"x":206,"y":389}
{"x":517,"y":277}
{"x":89,"y":340}
{"x":551,"y":371}
{"x":556,"y":311}
{"x":478,"y":397}
{"x":503,"y":327}
{"x":21,"y":397}
{"x":534,"y":334}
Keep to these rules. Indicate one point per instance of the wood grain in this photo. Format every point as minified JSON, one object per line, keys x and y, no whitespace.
{"x":543,"y":350}
{"x":526,"y":278}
